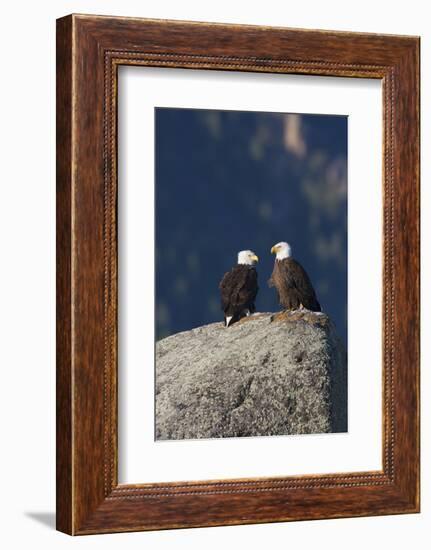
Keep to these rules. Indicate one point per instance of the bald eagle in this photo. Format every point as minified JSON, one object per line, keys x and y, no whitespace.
{"x":238,"y":288}
{"x":291,"y":281}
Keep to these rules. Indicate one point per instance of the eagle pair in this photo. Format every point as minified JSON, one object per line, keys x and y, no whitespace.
{"x":239,"y":288}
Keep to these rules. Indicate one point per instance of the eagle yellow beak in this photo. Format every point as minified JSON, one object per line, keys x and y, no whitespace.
{"x":255,"y":258}
{"x":274,"y":250}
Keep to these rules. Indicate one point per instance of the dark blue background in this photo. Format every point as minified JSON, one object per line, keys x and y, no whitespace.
{"x":229,"y":180}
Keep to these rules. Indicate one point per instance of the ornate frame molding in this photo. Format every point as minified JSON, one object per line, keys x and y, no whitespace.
{"x":90,"y":49}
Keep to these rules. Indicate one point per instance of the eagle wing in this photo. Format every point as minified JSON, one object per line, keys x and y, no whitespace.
{"x":248,"y":292}
{"x":238,"y":289}
{"x":296,"y":278}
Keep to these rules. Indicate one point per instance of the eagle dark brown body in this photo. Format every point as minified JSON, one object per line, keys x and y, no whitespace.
{"x":293,"y":285}
{"x":238,"y":291}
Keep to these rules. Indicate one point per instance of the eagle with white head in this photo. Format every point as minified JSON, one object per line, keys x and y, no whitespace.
{"x":291,"y":281}
{"x":238,"y":288}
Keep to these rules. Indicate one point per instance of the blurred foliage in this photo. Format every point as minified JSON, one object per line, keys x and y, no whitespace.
{"x":228,"y":181}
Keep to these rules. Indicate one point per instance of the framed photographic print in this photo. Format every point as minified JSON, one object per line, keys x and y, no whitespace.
{"x":237,"y":274}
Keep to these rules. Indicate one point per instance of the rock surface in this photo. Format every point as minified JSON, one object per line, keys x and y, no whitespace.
{"x":266,"y":375}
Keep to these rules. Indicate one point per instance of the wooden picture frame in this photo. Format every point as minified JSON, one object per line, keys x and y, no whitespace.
{"x":89,"y":51}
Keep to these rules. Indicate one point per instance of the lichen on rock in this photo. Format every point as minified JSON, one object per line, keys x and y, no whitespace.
{"x":269,"y":374}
